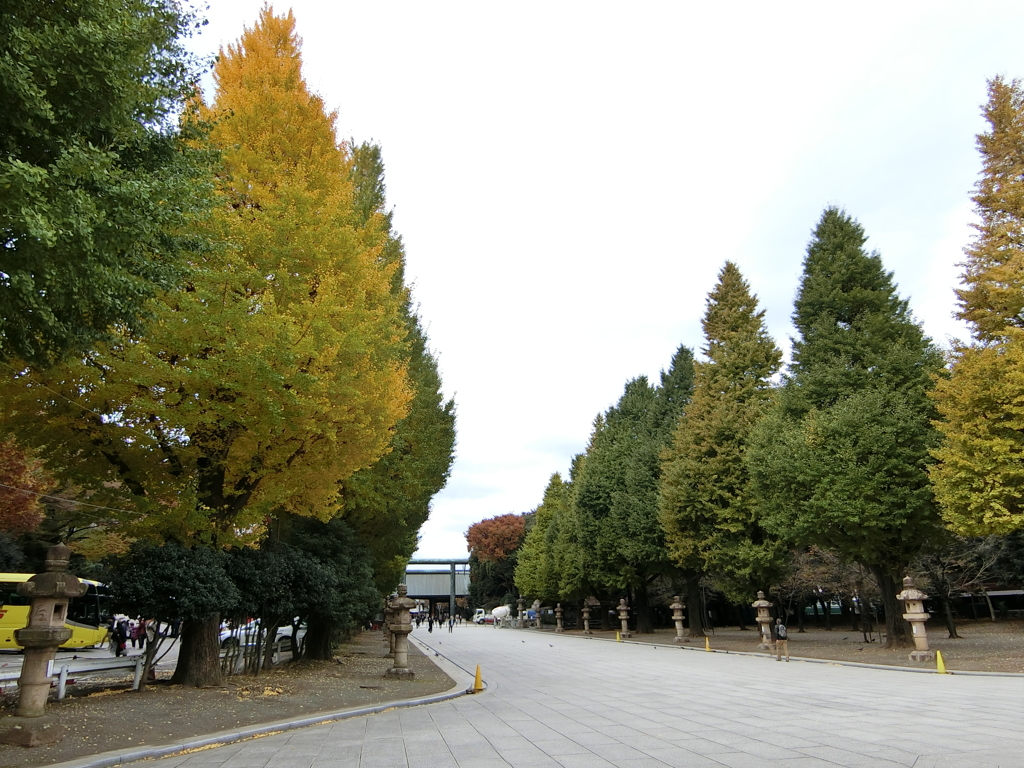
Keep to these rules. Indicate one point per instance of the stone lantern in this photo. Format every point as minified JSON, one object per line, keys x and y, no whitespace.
{"x":558,"y":618}
{"x":586,"y":618}
{"x":401,"y":626}
{"x":913,"y":607}
{"x":522,"y":616}
{"x":677,"y":616}
{"x":389,"y":619}
{"x":49,"y":593}
{"x":623,"y":610}
{"x":764,"y":620}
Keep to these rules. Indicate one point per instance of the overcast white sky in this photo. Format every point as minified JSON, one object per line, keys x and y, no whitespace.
{"x":569,"y":178}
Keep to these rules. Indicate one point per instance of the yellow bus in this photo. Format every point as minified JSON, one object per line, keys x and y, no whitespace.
{"x":87,"y":615}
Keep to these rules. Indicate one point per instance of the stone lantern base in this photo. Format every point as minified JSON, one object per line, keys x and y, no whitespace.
{"x":31,"y":731}
{"x":922,"y":656}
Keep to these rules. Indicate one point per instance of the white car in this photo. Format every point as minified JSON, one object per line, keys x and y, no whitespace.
{"x":245,"y":634}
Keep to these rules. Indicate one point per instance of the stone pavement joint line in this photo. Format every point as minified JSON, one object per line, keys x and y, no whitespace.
{"x":555,"y":702}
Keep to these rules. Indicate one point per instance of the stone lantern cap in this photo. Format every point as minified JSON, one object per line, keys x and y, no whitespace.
{"x":677,"y":604}
{"x":760,"y":602}
{"x":56,"y":582}
{"x":910,"y":591}
{"x":401,"y":601}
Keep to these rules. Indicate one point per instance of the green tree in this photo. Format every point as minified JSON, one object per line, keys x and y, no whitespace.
{"x":617,"y":499}
{"x":170,"y":582}
{"x":707,"y":507}
{"x":346,"y":597}
{"x":841,"y":461}
{"x":979,"y":472}
{"x":572,"y":552}
{"x":388,"y":502}
{"x":11,"y":556}
{"x":537,"y":572}
{"x":607,"y":537}
{"x":97,"y":186}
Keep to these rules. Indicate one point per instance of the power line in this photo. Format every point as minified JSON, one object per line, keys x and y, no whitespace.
{"x":71,"y":501}
{"x":148,"y":436}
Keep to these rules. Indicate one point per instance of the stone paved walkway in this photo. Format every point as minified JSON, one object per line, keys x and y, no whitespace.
{"x":557,"y":702}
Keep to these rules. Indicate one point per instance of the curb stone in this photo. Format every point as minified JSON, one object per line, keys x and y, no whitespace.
{"x":131,"y":755}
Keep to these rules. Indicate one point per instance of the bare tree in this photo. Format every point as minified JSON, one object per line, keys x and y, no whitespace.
{"x":960,"y":567}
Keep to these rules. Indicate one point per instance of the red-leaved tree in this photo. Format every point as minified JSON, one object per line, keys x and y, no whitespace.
{"x":496,"y":538}
{"x":22,"y":478}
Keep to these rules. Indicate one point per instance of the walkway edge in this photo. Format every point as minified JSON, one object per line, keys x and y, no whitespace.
{"x":125,"y":756}
{"x":807,"y":659}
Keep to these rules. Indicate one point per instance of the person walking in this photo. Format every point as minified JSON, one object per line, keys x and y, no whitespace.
{"x":781,"y":640}
{"x":121,"y":633}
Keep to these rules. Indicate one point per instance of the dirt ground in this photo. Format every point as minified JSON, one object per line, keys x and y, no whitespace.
{"x":103,"y":718}
{"x":985,"y":646}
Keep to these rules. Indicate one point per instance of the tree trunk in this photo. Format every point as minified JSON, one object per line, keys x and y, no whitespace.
{"x":153,"y":643}
{"x":268,"y":651}
{"x":801,"y":617}
{"x":947,"y":614}
{"x":606,"y":625}
{"x":695,"y":606}
{"x":319,"y":641}
{"x":826,"y":606}
{"x":644,"y":626}
{"x":897,"y":630}
{"x":991,"y":610}
{"x":199,"y":657}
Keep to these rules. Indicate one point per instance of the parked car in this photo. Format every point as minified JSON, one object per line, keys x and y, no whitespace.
{"x":245,"y":634}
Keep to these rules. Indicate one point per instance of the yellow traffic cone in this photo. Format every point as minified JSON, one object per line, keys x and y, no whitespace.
{"x":478,"y":684}
{"x":707,"y":643}
{"x":618,"y":636}
{"x":939,"y":666}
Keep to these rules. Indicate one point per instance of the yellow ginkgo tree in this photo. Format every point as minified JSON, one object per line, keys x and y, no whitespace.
{"x":274,"y":373}
{"x":979,"y":476}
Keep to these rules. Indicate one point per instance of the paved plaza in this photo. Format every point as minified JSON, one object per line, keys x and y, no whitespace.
{"x":570,"y":702}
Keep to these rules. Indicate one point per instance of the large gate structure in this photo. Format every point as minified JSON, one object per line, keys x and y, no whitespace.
{"x":436,"y":586}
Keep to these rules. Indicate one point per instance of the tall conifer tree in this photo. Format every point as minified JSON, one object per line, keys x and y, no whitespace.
{"x":706,"y":506}
{"x":617,"y":497}
{"x":979,"y":476}
{"x":388,"y":502}
{"x":614,"y":500}
{"x":536,"y":569}
{"x":842,"y":460}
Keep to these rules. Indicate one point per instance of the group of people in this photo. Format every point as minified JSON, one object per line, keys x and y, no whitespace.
{"x":450,"y":619}
{"x":122,"y":630}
